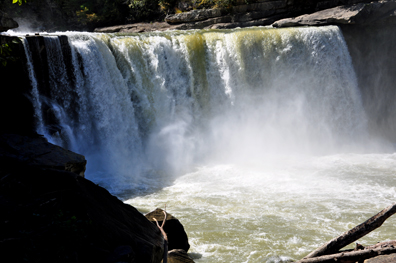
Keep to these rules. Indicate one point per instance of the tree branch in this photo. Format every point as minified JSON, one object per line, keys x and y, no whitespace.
{"x":334,"y":245}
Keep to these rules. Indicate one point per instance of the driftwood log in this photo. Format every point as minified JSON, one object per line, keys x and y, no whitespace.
{"x":334,"y":245}
{"x":350,"y":257}
{"x":161,"y":228}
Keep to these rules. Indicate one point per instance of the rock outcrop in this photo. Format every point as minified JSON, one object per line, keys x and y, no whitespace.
{"x":259,"y":13}
{"x":16,"y":150}
{"x":7,"y":23}
{"x":361,"y":13}
{"x":57,"y":216}
{"x":177,"y":237}
{"x":194,"y":15}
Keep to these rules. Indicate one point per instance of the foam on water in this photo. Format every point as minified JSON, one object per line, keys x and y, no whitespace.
{"x":283,"y":206}
{"x":141,"y":105}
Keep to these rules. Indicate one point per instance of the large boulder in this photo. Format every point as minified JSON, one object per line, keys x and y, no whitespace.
{"x":362,"y":13}
{"x":35,"y":150}
{"x":177,"y":237}
{"x":7,"y":23}
{"x":50,"y":215}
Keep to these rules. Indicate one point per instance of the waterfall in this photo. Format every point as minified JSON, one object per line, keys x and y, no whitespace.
{"x":144,"y":108}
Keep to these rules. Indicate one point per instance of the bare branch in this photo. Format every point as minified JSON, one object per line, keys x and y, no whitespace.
{"x":353,"y":256}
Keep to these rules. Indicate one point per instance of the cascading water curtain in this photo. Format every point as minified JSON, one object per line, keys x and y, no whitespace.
{"x":144,"y":108}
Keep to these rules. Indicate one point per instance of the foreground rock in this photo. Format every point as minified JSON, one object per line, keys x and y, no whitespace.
{"x":177,"y":237}
{"x":49,"y":215}
{"x":16,"y":150}
{"x":351,"y":14}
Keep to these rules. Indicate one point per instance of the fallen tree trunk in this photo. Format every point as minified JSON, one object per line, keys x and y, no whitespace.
{"x":350,"y":257}
{"x":334,"y":245}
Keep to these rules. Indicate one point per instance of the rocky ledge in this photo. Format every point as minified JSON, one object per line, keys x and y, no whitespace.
{"x":358,"y":14}
{"x":277,"y":13}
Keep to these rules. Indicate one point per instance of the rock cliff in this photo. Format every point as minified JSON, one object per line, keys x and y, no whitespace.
{"x":279,"y":13}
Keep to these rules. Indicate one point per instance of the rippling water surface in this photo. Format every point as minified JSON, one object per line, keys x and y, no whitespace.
{"x":277,"y":208}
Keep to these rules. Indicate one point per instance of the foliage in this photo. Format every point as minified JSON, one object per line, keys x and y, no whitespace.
{"x":216,"y":3}
{"x":144,"y":10}
{"x":20,"y":2}
{"x":6,"y":53}
{"x":167,"y":5}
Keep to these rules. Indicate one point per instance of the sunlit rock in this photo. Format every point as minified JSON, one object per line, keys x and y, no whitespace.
{"x":194,"y":15}
{"x":361,"y":13}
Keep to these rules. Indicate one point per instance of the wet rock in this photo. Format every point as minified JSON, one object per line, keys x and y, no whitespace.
{"x":362,"y":13}
{"x":179,"y":256}
{"x":36,"y":151}
{"x":177,"y":237}
{"x":382,"y":259}
{"x":7,"y":23}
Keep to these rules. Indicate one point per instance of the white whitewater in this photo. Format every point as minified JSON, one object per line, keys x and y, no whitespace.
{"x":255,"y":138}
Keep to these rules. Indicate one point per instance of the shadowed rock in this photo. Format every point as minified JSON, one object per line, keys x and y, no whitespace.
{"x":37,"y":151}
{"x":57,"y":216}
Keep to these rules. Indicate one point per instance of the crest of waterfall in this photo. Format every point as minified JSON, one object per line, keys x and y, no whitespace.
{"x":141,"y":106}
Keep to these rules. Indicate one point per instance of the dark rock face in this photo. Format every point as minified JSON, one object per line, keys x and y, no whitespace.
{"x":57,"y":216}
{"x":7,"y":23}
{"x":177,"y":237}
{"x":179,"y":256}
{"x":16,"y":109}
{"x":37,"y":151}
{"x":372,"y":48}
